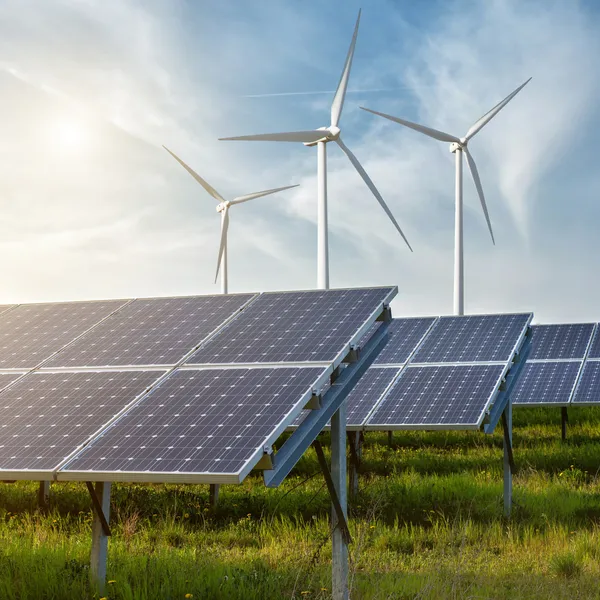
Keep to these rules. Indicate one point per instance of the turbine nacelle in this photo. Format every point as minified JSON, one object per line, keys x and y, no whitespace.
{"x":454,"y":146}
{"x":223,"y":206}
{"x":333,"y":133}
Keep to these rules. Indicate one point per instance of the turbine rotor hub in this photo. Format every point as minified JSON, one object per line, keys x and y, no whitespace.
{"x":454,"y":146}
{"x":330,"y":134}
{"x":222,"y":206}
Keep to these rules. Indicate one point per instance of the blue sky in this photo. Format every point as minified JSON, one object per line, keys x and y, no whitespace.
{"x":93,"y":207}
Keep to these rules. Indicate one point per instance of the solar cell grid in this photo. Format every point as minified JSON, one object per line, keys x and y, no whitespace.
{"x":366,"y":393}
{"x":45,"y":416}
{"x":404,"y":336}
{"x":31,"y":333}
{"x":567,"y":341}
{"x":588,"y":388}
{"x":594,"y":351}
{"x":7,"y":378}
{"x":151,"y":331}
{"x":312,"y":326}
{"x":201,"y":421}
{"x":479,"y":338}
{"x":546,"y":383}
{"x":441,"y":396}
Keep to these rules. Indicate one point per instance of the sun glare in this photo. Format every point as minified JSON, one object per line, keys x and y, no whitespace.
{"x":69,"y":135}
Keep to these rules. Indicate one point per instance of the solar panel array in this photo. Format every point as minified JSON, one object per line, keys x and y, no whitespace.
{"x":553,"y":375}
{"x":101,"y":391}
{"x":435,"y":373}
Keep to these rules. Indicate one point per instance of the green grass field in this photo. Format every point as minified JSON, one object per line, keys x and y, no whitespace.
{"x":427,"y":524}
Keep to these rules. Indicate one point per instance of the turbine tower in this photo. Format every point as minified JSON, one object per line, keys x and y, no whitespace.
{"x":223,"y":208}
{"x":458,"y":146}
{"x":321,"y":137}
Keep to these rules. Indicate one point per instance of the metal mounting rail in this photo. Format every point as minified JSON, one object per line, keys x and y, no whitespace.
{"x":306,"y":433}
{"x":508,"y":386}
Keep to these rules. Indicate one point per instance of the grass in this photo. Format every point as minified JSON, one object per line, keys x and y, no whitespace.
{"x":427,"y":524}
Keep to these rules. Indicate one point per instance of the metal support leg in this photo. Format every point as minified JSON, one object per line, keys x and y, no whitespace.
{"x":508,"y":458}
{"x":355,"y":445}
{"x":44,"y":496}
{"x":564,"y":417}
{"x":339,"y":585}
{"x":100,"y":531}
{"x":390,"y":439}
{"x":213,"y":495}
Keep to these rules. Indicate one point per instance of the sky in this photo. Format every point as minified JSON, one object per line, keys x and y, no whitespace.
{"x":93,"y":206}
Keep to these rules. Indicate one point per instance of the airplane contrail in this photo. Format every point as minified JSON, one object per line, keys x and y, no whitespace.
{"x":323,"y":92}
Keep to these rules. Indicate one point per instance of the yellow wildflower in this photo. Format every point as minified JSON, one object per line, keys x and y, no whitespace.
{"x":111,"y":581}
{"x":186,"y":516}
{"x":189,"y":596}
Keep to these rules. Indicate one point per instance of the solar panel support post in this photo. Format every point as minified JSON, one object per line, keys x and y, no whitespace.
{"x":100,"y":495}
{"x":44,"y":496}
{"x":390,"y":438}
{"x":213,"y":494}
{"x":508,"y":461}
{"x":564,"y":419}
{"x":355,"y":440}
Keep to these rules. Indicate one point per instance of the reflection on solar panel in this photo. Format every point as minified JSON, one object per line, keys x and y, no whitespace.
{"x":560,"y":341}
{"x":404,"y":336}
{"x":594,"y":351}
{"x":31,"y":333}
{"x":6,"y":307}
{"x":209,"y":421}
{"x":588,"y":388}
{"x":45,"y":416}
{"x":314,"y":326}
{"x":366,"y":393}
{"x":151,"y":331}
{"x":546,"y":383}
{"x":481,"y":338}
{"x":429,"y":397}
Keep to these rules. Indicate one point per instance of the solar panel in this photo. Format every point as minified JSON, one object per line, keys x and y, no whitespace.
{"x":549,"y":383}
{"x":206,"y":421}
{"x":312,"y":326}
{"x":594,"y":351}
{"x":7,"y":378}
{"x":454,"y":396}
{"x":404,"y":335}
{"x":45,"y":416}
{"x":560,"y":341}
{"x":151,"y":331}
{"x":365,"y":394}
{"x":480,"y":338}
{"x":6,"y":307}
{"x":588,"y":388}
{"x":31,"y":333}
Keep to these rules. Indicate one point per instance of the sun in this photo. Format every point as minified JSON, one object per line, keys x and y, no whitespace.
{"x":69,"y":135}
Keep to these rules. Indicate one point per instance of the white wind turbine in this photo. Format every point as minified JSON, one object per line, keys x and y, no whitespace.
{"x":223,"y":208}
{"x":320,"y":137}
{"x":459,"y":146}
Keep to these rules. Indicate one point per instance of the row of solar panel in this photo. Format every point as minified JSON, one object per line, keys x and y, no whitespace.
{"x":563,"y":368}
{"x":171,"y":424}
{"x":437,"y":372}
{"x":271,"y":327}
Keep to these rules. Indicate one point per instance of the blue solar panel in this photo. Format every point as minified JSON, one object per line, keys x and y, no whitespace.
{"x":481,"y":338}
{"x":595,"y":346}
{"x":443,"y":396}
{"x":210,"y":421}
{"x":560,"y":341}
{"x":588,"y":388}
{"x":151,"y":331}
{"x":404,"y":335}
{"x":313,"y":326}
{"x":365,"y":394}
{"x":546,"y":383}
{"x":31,"y":333}
{"x":44,"y":417}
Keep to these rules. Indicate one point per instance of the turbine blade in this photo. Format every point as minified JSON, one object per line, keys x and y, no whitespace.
{"x":475,"y":175}
{"x":211,"y":190}
{"x":483,"y":121}
{"x":340,"y":94}
{"x":247,"y":197}
{"x":434,"y":133}
{"x":313,"y":135}
{"x":223,"y":245}
{"x":371,"y":186}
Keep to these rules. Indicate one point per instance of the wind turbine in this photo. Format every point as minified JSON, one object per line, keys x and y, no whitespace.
{"x":458,"y":146}
{"x":223,"y":208}
{"x":320,"y":137}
